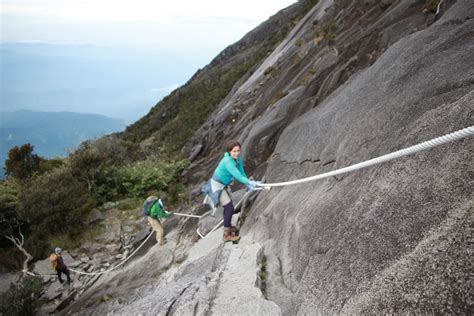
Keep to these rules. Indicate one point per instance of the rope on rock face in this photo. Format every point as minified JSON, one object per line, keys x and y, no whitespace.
{"x":115,"y":267}
{"x":222,"y":221}
{"x":468,"y":131}
{"x":125,"y":260}
{"x":187,"y":215}
{"x":118,"y":265}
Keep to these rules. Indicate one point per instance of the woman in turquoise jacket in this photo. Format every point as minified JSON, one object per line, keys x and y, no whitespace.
{"x":230,"y":167}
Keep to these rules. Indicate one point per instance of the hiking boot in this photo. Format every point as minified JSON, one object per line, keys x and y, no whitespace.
{"x":234,"y":230}
{"x":229,"y":235}
{"x":162,"y":242}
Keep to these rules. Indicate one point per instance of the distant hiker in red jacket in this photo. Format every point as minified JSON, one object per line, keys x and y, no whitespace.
{"x":58,"y":265}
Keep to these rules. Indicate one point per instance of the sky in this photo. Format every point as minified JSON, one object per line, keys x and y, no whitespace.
{"x":163,"y":43}
{"x":144,"y":24}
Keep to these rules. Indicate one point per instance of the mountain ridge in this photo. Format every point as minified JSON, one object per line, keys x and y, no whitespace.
{"x":53,"y":133}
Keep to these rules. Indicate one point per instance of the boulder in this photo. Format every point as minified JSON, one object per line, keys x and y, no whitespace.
{"x":139,"y":237}
{"x":108,"y":205}
{"x":53,"y":291}
{"x":195,"y":151}
{"x":67,"y":257}
{"x":95,"y":216}
{"x":75,"y":263}
{"x":96,"y":262}
{"x":43,"y":268}
{"x":77,"y":284}
{"x":127,"y":229}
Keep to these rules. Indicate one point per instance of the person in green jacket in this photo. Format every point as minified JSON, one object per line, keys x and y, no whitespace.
{"x":230,"y":167}
{"x":157,"y":212}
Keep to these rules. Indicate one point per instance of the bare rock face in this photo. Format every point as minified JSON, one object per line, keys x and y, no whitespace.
{"x":215,"y":278}
{"x":351,"y":243}
{"x":367,"y":241}
{"x":352,"y":81}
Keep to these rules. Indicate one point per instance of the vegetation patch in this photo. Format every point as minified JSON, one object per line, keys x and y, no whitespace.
{"x":23,"y":298}
{"x":104,"y":298}
{"x":299,"y":42}
{"x":327,"y":31}
{"x":431,"y":6}
{"x":269,"y":70}
{"x":279,"y":95}
{"x":129,"y":204}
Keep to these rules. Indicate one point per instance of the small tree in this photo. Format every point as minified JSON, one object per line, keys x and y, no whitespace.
{"x":21,"y":162}
{"x":86,"y":164}
{"x":22,"y":299}
{"x":10,"y":225}
{"x":11,"y":230}
{"x":56,"y":202}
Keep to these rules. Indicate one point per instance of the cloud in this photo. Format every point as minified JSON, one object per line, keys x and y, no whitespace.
{"x":143,"y":10}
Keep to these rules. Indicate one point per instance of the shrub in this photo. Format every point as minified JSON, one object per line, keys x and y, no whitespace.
{"x":139,"y":179}
{"x":51,"y":204}
{"x":130,"y":204}
{"x":431,"y":5}
{"x":279,"y":95}
{"x":299,"y":42}
{"x":47,"y":165}
{"x":21,"y":162}
{"x":86,"y":163}
{"x":9,"y":221}
{"x":22,"y":299}
{"x":326,"y":32}
{"x":269,"y":70}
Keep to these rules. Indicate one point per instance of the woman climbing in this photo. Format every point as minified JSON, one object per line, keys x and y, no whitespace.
{"x":230,"y":167}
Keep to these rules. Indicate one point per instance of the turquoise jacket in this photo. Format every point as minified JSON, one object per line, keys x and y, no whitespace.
{"x":228,"y":169}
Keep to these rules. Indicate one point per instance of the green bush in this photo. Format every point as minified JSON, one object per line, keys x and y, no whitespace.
{"x":22,"y":162}
{"x":299,"y":42}
{"x":9,"y":222}
{"x":431,"y":5}
{"x":139,"y":179}
{"x":22,"y":299}
{"x":51,"y":204}
{"x":327,"y":31}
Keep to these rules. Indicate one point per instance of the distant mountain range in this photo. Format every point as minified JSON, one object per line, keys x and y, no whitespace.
{"x":52,"y":133}
{"x":117,"y":83}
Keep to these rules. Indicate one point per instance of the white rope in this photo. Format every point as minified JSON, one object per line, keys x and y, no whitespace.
{"x":115,"y":267}
{"x":121,"y":263}
{"x":187,"y":215}
{"x":222,"y":221}
{"x":468,"y":131}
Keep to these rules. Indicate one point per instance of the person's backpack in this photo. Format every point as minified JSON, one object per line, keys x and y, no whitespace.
{"x":54,"y":261}
{"x":149,"y":202}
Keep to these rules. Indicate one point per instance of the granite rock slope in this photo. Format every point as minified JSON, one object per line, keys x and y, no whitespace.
{"x":352,"y":81}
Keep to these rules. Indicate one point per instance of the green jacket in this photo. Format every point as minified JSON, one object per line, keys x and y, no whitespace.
{"x":157,"y":211}
{"x":229,"y":168}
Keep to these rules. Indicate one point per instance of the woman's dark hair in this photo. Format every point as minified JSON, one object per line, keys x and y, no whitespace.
{"x":231,"y":144}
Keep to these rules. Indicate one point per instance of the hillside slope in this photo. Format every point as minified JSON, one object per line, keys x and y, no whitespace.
{"x":352,"y":81}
